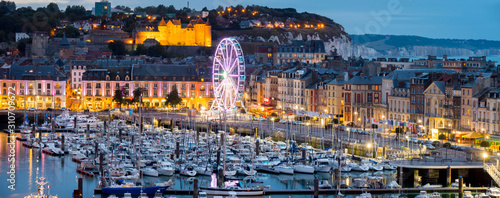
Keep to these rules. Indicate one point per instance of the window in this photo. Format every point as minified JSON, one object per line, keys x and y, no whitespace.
{"x":39,"y":85}
{"x":376,"y":98}
{"x":48,"y":86}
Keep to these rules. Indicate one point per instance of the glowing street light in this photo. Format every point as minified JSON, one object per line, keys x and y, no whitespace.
{"x":485,"y":155}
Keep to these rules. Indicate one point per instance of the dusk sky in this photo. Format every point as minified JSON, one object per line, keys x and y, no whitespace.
{"x":463,"y":19}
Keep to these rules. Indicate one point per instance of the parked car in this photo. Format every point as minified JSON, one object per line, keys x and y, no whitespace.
{"x":50,"y":109}
{"x":428,"y":142}
{"x":282,"y":121}
{"x":421,"y":133}
{"x":414,"y":140}
{"x":430,"y":147}
{"x":31,"y":109}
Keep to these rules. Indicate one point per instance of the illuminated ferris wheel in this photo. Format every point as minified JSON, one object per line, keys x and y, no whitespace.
{"x":228,"y":74}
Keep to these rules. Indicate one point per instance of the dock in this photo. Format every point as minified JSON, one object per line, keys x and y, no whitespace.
{"x":335,"y":191}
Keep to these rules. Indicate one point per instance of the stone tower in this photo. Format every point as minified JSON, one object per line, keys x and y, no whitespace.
{"x":40,"y":42}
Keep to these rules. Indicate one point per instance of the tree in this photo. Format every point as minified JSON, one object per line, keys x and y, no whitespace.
{"x":173,"y":98}
{"x":123,"y":8}
{"x":21,"y":45}
{"x":157,"y":51}
{"x":274,"y":114}
{"x":53,"y":8}
{"x":485,"y":144}
{"x":137,"y":94}
{"x":442,"y":137}
{"x":141,"y":50}
{"x":117,"y":47}
{"x":119,"y":97}
{"x":75,"y":12}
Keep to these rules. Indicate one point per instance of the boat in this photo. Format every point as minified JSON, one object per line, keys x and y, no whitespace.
{"x":121,"y":188}
{"x":422,"y":194}
{"x":284,"y":169}
{"x":202,"y":195}
{"x":246,"y":170}
{"x":364,"y":195}
{"x":493,"y":192}
{"x":148,"y":171}
{"x":358,"y":167}
{"x":389,"y":167}
{"x":428,"y":185}
{"x":323,"y":184}
{"x":166,"y":168}
{"x":187,"y":171}
{"x":468,"y":194}
{"x":41,"y":187}
{"x":203,"y":170}
{"x":227,"y":191}
{"x":393,"y":184}
{"x":300,"y":168}
{"x":435,"y":195}
{"x":322,"y":165}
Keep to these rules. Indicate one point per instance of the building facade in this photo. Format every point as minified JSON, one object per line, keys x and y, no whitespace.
{"x":196,"y":33}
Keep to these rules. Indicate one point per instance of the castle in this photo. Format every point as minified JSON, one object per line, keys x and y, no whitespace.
{"x":196,"y":33}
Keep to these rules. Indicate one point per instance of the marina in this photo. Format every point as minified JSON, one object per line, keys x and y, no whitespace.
{"x":173,"y":162}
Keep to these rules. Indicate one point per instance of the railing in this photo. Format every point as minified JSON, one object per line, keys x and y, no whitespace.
{"x":493,"y":172}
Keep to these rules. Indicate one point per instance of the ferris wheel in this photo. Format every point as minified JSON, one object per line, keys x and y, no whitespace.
{"x":228,"y":74}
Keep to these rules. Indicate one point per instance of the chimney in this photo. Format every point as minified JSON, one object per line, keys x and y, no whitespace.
{"x":445,"y":57}
{"x":362,"y":75}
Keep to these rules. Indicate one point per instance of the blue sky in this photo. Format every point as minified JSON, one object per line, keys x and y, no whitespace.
{"x":463,"y":19}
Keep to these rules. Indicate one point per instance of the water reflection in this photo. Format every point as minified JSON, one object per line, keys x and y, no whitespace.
{"x":61,"y":173}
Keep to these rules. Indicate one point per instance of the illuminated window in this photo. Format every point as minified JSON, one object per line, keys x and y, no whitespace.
{"x":105,"y":7}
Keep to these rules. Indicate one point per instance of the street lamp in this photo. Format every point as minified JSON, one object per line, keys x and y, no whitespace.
{"x":485,"y":155}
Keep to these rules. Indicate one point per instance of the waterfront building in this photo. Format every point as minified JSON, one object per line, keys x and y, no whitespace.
{"x":100,"y":84}
{"x":36,"y":86}
{"x":362,"y":94}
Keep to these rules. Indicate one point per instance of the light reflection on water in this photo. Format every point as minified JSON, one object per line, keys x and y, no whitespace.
{"x":61,"y":173}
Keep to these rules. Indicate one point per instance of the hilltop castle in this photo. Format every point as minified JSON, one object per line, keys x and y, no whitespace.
{"x":196,"y":33}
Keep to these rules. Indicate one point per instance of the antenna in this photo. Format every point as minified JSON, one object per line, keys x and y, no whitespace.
{"x":188,"y":4}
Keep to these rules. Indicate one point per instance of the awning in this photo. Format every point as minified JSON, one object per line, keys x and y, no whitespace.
{"x":473,"y":135}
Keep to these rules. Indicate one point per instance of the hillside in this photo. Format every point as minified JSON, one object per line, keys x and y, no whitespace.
{"x":335,"y":38}
{"x":399,"y":45}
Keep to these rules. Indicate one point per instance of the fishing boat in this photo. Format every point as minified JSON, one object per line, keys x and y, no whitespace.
{"x":41,"y":187}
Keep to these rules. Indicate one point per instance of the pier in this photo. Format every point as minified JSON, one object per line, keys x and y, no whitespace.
{"x":335,"y":191}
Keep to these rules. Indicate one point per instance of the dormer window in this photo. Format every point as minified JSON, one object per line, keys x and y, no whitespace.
{"x":117,"y":77}
{"x":107,"y":77}
{"x":127,"y":78}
